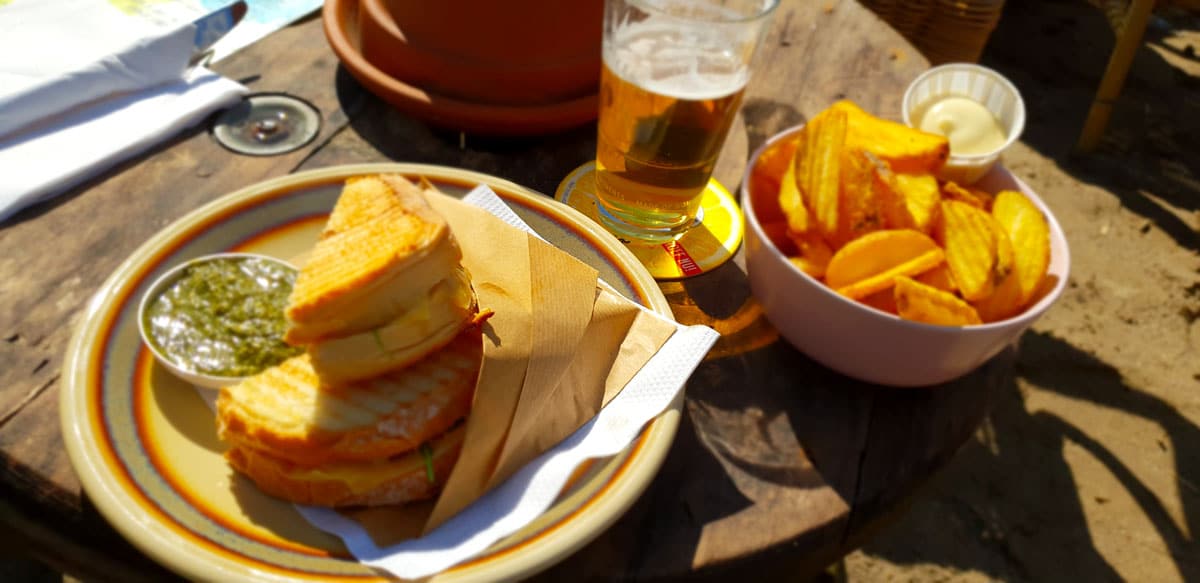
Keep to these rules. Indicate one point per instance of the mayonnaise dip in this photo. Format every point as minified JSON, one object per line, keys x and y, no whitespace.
{"x":970,"y":127}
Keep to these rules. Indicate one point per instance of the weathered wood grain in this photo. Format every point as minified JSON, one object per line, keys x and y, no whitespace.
{"x":780,"y":466}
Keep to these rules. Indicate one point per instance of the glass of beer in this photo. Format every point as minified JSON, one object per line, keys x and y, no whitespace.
{"x":673,"y":78}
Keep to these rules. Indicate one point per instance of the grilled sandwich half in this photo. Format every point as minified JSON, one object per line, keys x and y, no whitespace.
{"x":371,"y":413}
{"x":356,"y":444}
{"x":382,"y":250}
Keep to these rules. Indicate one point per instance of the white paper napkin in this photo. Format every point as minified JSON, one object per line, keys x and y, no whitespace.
{"x":56,"y":54}
{"x":85,"y":85}
{"x":533,"y":489}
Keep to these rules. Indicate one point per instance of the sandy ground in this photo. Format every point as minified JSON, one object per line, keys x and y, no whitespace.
{"x":1090,"y":469}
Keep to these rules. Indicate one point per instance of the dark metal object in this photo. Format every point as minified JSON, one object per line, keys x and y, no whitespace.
{"x":267,"y":124}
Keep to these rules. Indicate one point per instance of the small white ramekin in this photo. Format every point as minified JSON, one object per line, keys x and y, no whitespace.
{"x":981,"y":84}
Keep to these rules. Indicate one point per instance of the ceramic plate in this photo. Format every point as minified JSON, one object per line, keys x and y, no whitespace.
{"x":144,"y":443}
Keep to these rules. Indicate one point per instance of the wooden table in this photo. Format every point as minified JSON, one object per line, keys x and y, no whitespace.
{"x":780,"y":466}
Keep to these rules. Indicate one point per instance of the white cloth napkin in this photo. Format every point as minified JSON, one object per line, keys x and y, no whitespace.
{"x":85,"y":85}
{"x":534,"y":488}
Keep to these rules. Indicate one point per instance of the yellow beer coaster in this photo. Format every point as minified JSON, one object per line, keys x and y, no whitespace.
{"x":699,"y":250}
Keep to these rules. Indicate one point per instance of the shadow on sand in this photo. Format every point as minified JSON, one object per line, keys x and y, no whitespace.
{"x":1018,"y":465}
{"x":1148,"y":157}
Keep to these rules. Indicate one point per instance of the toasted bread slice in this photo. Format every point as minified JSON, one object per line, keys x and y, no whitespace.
{"x":397,"y":480}
{"x":382,"y":247}
{"x":425,"y":326}
{"x":285,"y":413}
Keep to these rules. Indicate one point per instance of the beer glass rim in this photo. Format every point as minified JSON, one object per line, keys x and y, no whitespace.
{"x":654,"y":6}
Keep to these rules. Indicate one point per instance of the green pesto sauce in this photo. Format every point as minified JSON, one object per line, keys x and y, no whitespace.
{"x":224,"y":317}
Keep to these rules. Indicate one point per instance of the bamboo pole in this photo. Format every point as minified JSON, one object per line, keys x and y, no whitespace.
{"x":1129,"y":38}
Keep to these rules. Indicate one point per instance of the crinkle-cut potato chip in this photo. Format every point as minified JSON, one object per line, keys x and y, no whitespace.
{"x":918,"y":302}
{"x":859,"y":210}
{"x":940,"y":278}
{"x":1005,"y":300}
{"x":869,"y":264}
{"x":906,"y":149}
{"x":1030,"y":235}
{"x":970,"y":243}
{"x":974,"y":197}
{"x":921,"y":199}
{"x":821,"y":171}
{"x":1005,"y":256}
{"x":790,"y":200}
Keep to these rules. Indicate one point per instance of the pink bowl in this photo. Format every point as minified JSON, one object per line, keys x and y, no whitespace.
{"x":867,"y":344}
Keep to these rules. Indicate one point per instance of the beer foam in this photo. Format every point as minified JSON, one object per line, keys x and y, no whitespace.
{"x":674,"y":63}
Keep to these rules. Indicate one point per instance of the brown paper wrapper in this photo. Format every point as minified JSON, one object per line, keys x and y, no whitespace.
{"x":557,"y":348}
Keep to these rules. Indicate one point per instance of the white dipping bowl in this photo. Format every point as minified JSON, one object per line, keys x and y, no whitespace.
{"x":161,"y":284}
{"x":981,"y":84}
{"x":862,"y":342}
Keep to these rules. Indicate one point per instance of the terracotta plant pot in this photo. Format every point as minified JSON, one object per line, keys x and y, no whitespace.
{"x":518,"y":52}
{"x":342,"y":23}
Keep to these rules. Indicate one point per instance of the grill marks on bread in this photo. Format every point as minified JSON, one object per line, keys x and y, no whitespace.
{"x":382,"y":246}
{"x":283,"y":411}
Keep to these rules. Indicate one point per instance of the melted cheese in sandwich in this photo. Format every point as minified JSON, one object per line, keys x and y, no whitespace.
{"x":426,"y":325}
{"x":383,"y":247}
{"x":361,"y":477}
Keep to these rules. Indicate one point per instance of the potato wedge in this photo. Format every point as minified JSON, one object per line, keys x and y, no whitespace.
{"x":906,"y":201}
{"x":883,"y":281}
{"x":823,"y":143}
{"x":869,"y":264}
{"x":777,"y":232}
{"x":974,"y":197}
{"x":1004,"y":302}
{"x":905,"y":149}
{"x":876,"y":253}
{"x":970,"y":243}
{"x":892,"y":205}
{"x":940,"y":278}
{"x":1030,"y":235}
{"x":918,"y":302}
{"x":859,"y":210}
{"x":774,"y":161}
{"x":884,"y":301}
{"x":812,"y":253}
{"x":764,"y":195}
{"x":921,"y":199}
{"x":983,"y":195}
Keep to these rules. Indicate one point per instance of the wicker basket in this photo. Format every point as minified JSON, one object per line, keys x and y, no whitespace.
{"x":945,"y":31}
